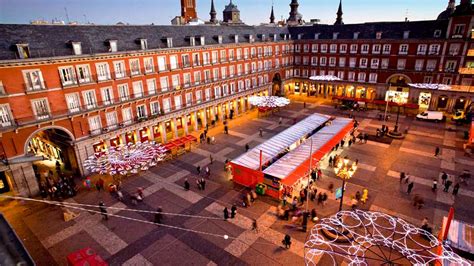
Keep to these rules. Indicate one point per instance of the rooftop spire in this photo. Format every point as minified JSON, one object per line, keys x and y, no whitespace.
{"x":272,"y":16}
{"x":339,"y":14}
{"x":213,"y":13}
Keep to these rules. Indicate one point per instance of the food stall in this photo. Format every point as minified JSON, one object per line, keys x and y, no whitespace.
{"x":290,"y":172}
{"x":246,"y":169}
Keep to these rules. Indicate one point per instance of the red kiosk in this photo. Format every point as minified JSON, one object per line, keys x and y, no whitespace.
{"x":247,"y":168}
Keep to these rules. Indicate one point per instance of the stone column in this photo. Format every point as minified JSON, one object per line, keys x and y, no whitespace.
{"x":24,"y":180}
{"x":151,"y":135}
{"x":212,"y":112}
{"x":204,"y":118}
{"x":242,"y":104}
{"x":194,"y":121}
{"x":184,"y":121}
{"x":163,"y":132}
{"x":451,"y":103}
{"x":236,"y":107}
{"x":174,"y":127}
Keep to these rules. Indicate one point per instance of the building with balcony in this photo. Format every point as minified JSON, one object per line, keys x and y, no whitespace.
{"x":67,"y":92}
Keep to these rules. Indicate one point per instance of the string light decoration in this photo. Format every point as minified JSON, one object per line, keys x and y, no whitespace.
{"x":325,"y":78}
{"x":268,"y":101}
{"x":430,"y":86}
{"x":374,"y":238}
{"x":126,"y":159}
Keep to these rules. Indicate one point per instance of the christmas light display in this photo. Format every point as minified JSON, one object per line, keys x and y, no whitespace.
{"x":126,"y":159}
{"x":430,"y":86}
{"x":374,"y":238}
{"x":325,"y":78}
{"x":268,"y":101}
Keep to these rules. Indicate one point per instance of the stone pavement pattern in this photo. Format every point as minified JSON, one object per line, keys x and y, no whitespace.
{"x":126,"y":242}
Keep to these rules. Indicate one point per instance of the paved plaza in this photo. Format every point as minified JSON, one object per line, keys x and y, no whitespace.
{"x":120,"y":241}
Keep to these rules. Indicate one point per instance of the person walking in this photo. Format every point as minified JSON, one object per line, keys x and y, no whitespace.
{"x":208,"y":171}
{"x":402,"y":176}
{"x":158,"y":215}
{"x":211,"y":159}
{"x":456,"y":189}
{"x":444,"y":177}
{"x":447,"y":185}
{"x":203,"y":184}
{"x":233,"y":211}
{"x":304,"y":224}
{"x":304,"y":105}
{"x":287,"y":241}
{"x":410,"y":187}
{"x":198,"y":183}
{"x":254,"y":226}
{"x":434,"y":187}
{"x":437,"y":150}
{"x":280,"y":120}
{"x":260,"y":132}
{"x":186,"y":184}
{"x":247,"y":147}
{"x":226,"y":129}
{"x":226,"y":214}
{"x":103,"y":210}
{"x":198,"y":168}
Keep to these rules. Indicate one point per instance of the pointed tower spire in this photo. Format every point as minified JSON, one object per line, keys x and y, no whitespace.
{"x":213,"y":13}
{"x":272,"y":17}
{"x":339,"y":14}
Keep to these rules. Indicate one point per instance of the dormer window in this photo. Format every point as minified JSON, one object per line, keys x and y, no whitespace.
{"x":112,"y":46}
{"x":169,"y":42}
{"x":77,"y":48}
{"x":251,"y":40}
{"x":202,"y":40}
{"x":23,"y":50}
{"x":263,"y":37}
{"x":236,"y":38}
{"x":437,"y":33}
{"x":219,"y":39}
{"x":334,"y":35}
{"x":144,"y":44}
{"x":192,"y":41}
{"x":378,"y":35}
{"x":356,"y":35}
{"x":316,"y":36}
{"x":274,"y":37}
{"x":406,"y":34}
{"x":300,"y":36}
{"x":284,"y":37}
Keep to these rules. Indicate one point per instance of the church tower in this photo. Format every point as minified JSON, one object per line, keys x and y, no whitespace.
{"x":295,"y":17}
{"x":339,"y":14}
{"x":213,"y":13}
{"x":188,"y":10}
{"x":272,"y":17}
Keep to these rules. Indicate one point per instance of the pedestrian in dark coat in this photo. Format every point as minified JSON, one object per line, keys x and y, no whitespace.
{"x":330,"y":160}
{"x":233,"y":211}
{"x":437,"y":150}
{"x":103,"y":211}
{"x":260,"y":132}
{"x":198,"y":183}
{"x":447,"y":185}
{"x":402,"y":176}
{"x":247,"y":147}
{"x":410,"y":187}
{"x":186,"y":184}
{"x":211,"y":159}
{"x":226,"y":214}
{"x":198,"y":168}
{"x":456,"y":189}
{"x":158,"y":215}
{"x":203,"y":184}
{"x":287,"y":241}
{"x":444,"y":177}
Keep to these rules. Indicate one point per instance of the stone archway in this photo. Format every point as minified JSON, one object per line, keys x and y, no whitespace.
{"x":277,"y":85}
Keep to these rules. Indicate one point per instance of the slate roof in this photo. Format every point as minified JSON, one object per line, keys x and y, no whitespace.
{"x":390,"y":30}
{"x":53,"y":40}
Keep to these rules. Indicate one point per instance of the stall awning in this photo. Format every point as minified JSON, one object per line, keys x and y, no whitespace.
{"x":190,"y":138}
{"x":169,"y":146}
{"x":295,"y":164}
{"x":277,"y":144}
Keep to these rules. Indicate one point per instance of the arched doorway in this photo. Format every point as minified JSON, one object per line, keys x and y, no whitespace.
{"x":442,"y":102}
{"x":276,"y":85}
{"x":398,"y":90}
{"x":460,"y":103}
{"x":55,"y":155}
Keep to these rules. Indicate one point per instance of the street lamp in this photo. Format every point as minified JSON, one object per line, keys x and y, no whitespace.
{"x":395,"y":133}
{"x":345,"y":171}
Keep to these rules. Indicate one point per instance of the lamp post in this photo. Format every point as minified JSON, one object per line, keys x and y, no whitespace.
{"x":345,"y":171}
{"x":395,"y":133}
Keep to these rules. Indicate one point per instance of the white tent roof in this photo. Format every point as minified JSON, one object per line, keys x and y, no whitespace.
{"x":291,"y":161}
{"x":272,"y":147}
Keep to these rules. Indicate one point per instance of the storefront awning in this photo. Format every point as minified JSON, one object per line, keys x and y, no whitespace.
{"x":295,"y":164}
{"x":277,"y":144}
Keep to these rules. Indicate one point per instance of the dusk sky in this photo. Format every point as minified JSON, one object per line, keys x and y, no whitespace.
{"x":252,"y":11}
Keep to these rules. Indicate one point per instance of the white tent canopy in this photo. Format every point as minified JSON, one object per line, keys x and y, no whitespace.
{"x":291,"y":161}
{"x":277,"y":144}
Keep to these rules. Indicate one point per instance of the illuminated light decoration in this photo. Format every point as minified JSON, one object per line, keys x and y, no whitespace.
{"x":374,"y":238}
{"x":126,"y":158}
{"x":268,"y":102}
{"x":325,"y":78}
{"x":430,"y":86}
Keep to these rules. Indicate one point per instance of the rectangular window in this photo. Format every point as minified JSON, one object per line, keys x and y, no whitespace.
{"x":365,"y":49}
{"x":314,"y":48}
{"x":205,"y":58}
{"x":164,"y":83}
{"x":454,"y":49}
{"x":231,"y":71}
{"x":387,"y":48}
{"x":83,"y":73}
{"x":376,"y":48}
{"x":342,"y":61}
{"x":403,"y":49}
{"x":135,"y":67}
{"x":332,"y":61}
{"x":430,"y":65}
{"x":103,"y":72}
{"x":107,"y":96}
{"x":33,"y":80}
{"x":215,"y":74}
{"x":187,"y":79}
{"x":231,"y":54}
{"x":324,"y":48}
{"x":374,"y":63}
{"x":68,"y":75}
{"x":351,"y":76}
{"x":361,"y":77}
{"x":197,"y":77}
{"x":185,"y":60}
{"x":113,"y":46}
{"x":119,"y":69}
{"x":198,"y":96}
{"x":384,"y":63}
{"x":322,"y":61}
{"x":421,"y":49}
{"x":239,"y":54}
{"x":149,"y":67}
{"x":189,"y":99}
{"x":175,"y":81}
{"x":5,"y":115}
{"x":217,"y":92}
{"x":208,"y":94}
{"x":373,"y":78}
{"x":434,"y":49}
{"x":401,"y":64}
{"x":155,"y":108}
{"x":95,"y":126}
{"x":343,"y":48}
{"x":314,"y":61}
{"x":162,"y":63}
{"x":223,"y":72}
{"x":352,"y":62}
{"x":450,"y":66}
{"x":137,"y":89}
{"x":419,"y":64}
{"x":363,"y":63}
{"x":151,"y":86}
{"x":215,"y":57}
{"x":112,"y":120}
{"x":127,"y":116}
{"x":333,"y":48}
{"x":173,"y":62}
{"x":90,"y":100}
{"x":141,"y":111}
{"x":207,"y":76}
{"x":166,"y":105}
{"x":223,"y":56}
{"x":177,"y":102}
{"x":196,"y":59}
{"x":73,"y":102}
{"x":353,"y":48}
{"x":76,"y":48}
{"x":428,"y":79}
{"x":340,"y":74}
{"x":459,"y":30}
{"x":124,"y":93}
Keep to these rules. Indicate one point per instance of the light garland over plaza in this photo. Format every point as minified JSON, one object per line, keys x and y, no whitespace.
{"x":126,"y":159}
{"x":430,"y":86}
{"x":268,"y":101}
{"x":325,"y":78}
{"x":368,"y":238}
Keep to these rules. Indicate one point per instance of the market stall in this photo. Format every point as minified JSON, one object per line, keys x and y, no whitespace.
{"x":287,"y":173}
{"x":460,"y":238}
{"x":246,"y":169}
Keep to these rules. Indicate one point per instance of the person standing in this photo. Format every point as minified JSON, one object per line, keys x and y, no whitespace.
{"x":226,"y":214}
{"x":186,"y":184}
{"x":254,"y":226}
{"x":233,"y":211}
{"x":208,"y":171}
{"x":203,"y":184}
{"x":247,"y":147}
{"x":211,"y":159}
{"x":437,"y":150}
{"x":305,"y":221}
{"x":226,"y":129}
{"x":260,"y":132}
{"x":304,"y":105}
{"x":158,"y":215}
{"x":103,"y":210}
{"x":287,"y":241}
{"x":456,"y":189}
{"x":447,"y":185}
{"x":198,"y":168}
{"x":402,"y":176}
{"x":434,"y":187}
{"x":280,"y":120}
{"x":410,"y":187}
{"x":444,"y":177}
